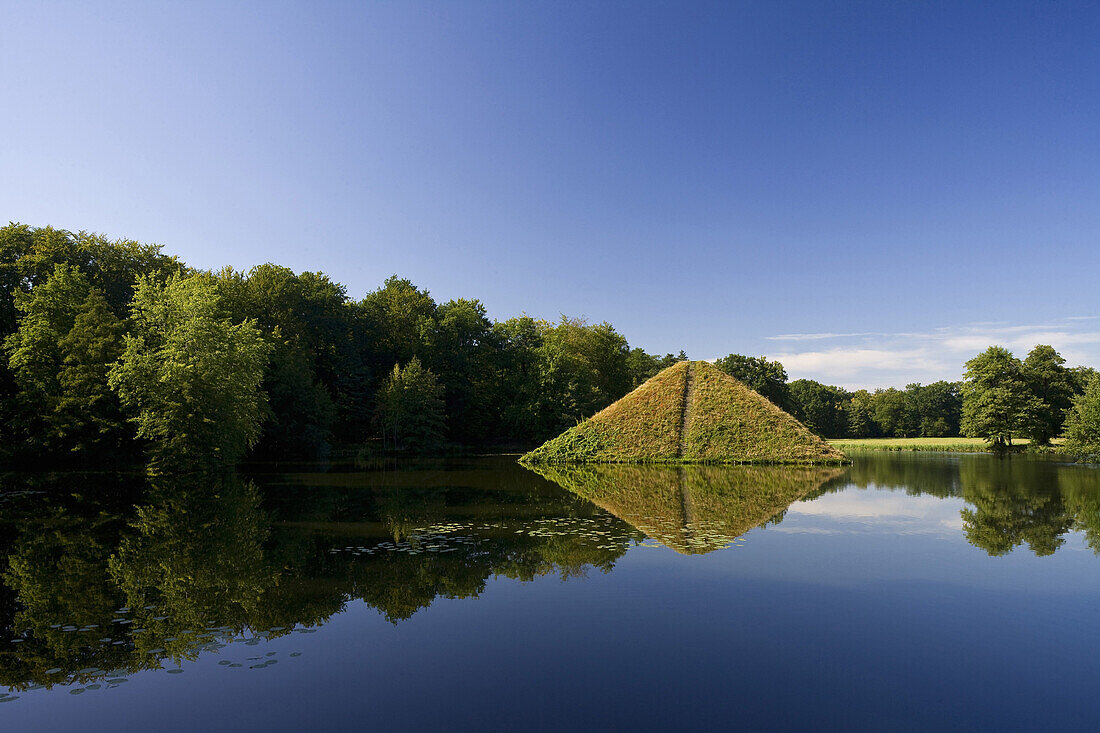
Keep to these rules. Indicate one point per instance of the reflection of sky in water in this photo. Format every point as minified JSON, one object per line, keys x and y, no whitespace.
{"x":863,"y":608}
{"x":881,"y":512}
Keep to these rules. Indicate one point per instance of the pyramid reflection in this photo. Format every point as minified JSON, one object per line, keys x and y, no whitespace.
{"x":691,"y":509}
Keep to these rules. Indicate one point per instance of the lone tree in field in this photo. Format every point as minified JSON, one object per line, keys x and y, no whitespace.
{"x":997,"y":399}
{"x":1083,"y":421}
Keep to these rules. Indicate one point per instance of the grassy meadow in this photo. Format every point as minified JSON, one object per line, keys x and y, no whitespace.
{"x":949,"y":445}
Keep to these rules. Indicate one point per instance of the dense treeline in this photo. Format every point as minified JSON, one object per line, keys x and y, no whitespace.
{"x":112,"y":348}
{"x":1001,"y":396}
{"x":931,"y":410}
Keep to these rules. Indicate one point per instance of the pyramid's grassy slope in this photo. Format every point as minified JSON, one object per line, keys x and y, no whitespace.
{"x":691,"y":412}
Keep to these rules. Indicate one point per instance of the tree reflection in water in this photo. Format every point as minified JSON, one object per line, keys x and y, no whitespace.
{"x":107,"y":575}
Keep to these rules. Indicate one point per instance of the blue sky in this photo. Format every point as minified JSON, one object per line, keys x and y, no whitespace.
{"x":871,"y":192}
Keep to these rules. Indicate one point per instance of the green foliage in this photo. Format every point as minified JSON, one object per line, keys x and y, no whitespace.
{"x":643,"y":366}
{"x":1083,"y":421}
{"x":59,"y":357}
{"x":860,"y":423}
{"x":461,"y":346}
{"x":937,"y":408}
{"x":190,"y":377}
{"x":395,"y":317}
{"x":1053,"y":386}
{"x":582,"y":369}
{"x":997,"y":399}
{"x":769,"y":378}
{"x":894,"y":412}
{"x":309,"y":324}
{"x":517,"y":377}
{"x":411,"y":408}
{"x":820,"y":407}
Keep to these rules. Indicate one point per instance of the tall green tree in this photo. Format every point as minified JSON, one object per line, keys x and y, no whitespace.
{"x":411,"y":409}
{"x":997,"y":398}
{"x":518,"y":377}
{"x":310,"y":379}
{"x":461,"y":347}
{"x":190,"y":377}
{"x":59,"y":357}
{"x":769,"y":378}
{"x":643,"y":365}
{"x":937,"y":408}
{"x":1083,"y":421}
{"x":583,"y":368}
{"x":821,"y":407}
{"x":894,"y":412}
{"x":1053,"y":386}
{"x":395,"y":316}
{"x":860,"y":422}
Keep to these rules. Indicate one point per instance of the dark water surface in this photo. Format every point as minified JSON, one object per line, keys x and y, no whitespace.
{"x":906,"y":592}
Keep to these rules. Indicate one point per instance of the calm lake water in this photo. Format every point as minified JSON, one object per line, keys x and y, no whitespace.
{"x":906,"y":592}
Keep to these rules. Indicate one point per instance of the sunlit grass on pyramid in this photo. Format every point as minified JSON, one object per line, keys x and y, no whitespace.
{"x":691,"y":412}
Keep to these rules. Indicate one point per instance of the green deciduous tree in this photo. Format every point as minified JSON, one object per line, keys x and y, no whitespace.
{"x":310,"y":379}
{"x":188,"y":375}
{"x":997,"y":399}
{"x":769,"y":378}
{"x":1083,"y":421}
{"x":1053,"y":386}
{"x":860,"y":422}
{"x":583,"y":368}
{"x":643,"y":365}
{"x":59,"y":357}
{"x":821,"y":407}
{"x":893,"y":411}
{"x":461,"y":348}
{"x":395,"y":316}
{"x":411,"y":409}
{"x":937,"y":408}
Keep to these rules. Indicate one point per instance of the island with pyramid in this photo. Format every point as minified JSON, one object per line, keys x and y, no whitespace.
{"x":691,"y":412}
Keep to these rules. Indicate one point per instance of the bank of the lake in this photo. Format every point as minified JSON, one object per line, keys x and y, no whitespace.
{"x":937,"y":445}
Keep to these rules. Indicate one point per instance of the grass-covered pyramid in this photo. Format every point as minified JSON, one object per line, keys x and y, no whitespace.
{"x":692,"y":412}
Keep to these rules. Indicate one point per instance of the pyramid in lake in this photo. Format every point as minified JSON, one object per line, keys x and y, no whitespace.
{"x":692,"y":412}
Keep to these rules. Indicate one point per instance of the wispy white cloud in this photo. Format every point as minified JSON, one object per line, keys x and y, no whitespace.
{"x":873,"y":359}
{"x":818,"y":336}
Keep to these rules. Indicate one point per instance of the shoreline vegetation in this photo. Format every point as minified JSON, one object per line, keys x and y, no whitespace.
{"x":114,"y":353}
